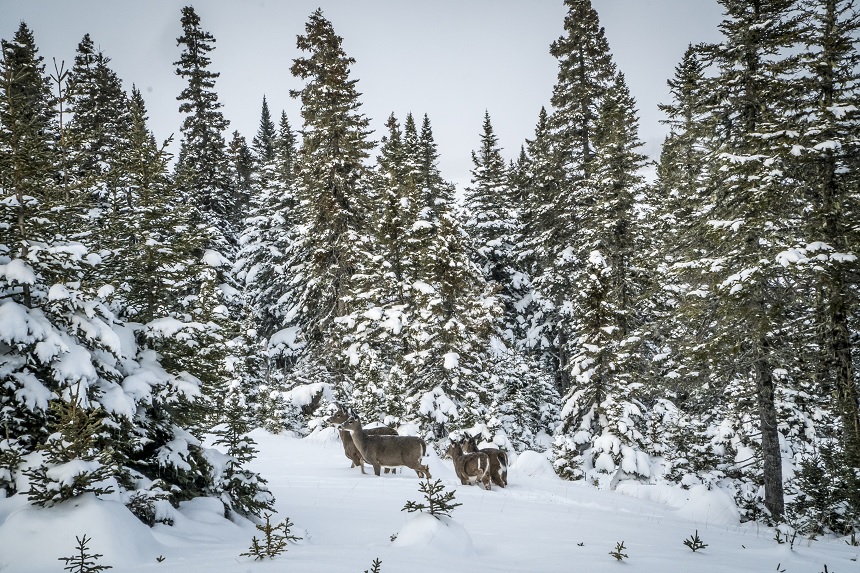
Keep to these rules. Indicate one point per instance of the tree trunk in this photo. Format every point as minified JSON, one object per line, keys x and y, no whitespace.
{"x":846,"y":388}
{"x":773,"y":491}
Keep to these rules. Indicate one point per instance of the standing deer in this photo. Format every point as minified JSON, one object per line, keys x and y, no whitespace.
{"x":472,"y":467}
{"x":388,"y":451}
{"x":498,"y":460}
{"x":349,"y":448}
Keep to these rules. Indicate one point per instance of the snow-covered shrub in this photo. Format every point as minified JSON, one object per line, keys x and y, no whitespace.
{"x":71,"y":464}
{"x":11,"y":460}
{"x":822,"y":491}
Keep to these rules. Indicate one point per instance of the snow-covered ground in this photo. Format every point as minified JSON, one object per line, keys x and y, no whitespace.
{"x":539,"y":523}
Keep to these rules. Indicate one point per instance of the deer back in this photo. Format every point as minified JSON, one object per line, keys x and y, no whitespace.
{"x":386,"y":450}
{"x":498,"y":460}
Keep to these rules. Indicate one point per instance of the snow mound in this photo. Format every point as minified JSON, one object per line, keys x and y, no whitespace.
{"x":710,"y":506}
{"x":113,"y":531}
{"x":441,"y":534}
{"x":201,"y":520}
{"x":324,"y":435}
{"x":698,"y":504}
{"x":533,"y":464}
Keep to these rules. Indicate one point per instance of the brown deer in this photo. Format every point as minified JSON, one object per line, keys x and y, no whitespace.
{"x":471,"y":467}
{"x":349,"y":449}
{"x":387,"y":451}
{"x":498,"y":460}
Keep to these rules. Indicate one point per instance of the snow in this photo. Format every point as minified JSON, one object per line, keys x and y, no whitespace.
{"x":58,"y":292}
{"x":284,"y":339}
{"x":75,"y":365}
{"x":441,"y":534}
{"x":215,"y":260}
{"x":17,"y":271}
{"x":423,"y":287}
{"x":538,"y":523}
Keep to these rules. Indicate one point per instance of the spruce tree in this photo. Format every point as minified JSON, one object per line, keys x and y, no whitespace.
{"x":202,"y":169}
{"x":285,"y":153}
{"x":331,"y":184}
{"x":96,"y":137}
{"x":28,"y":158}
{"x":266,"y":240}
{"x":203,"y":175}
{"x":585,"y":74}
{"x":604,"y":407}
{"x":387,"y":284}
{"x":71,"y":364}
{"x":676,"y":196}
{"x":826,"y":166}
{"x":264,"y":142}
{"x":749,"y":216}
{"x":264,"y":149}
{"x":492,"y":213}
{"x":493,"y":222}
{"x":540,"y":179}
{"x":241,"y":177}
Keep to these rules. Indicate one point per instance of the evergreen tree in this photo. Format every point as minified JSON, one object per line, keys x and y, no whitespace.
{"x":331,"y":187}
{"x":832,"y":134}
{"x":386,"y":286}
{"x":747,"y":218}
{"x":398,"y":198}
{"x":285,"y":153}
{"x":267,"y":239}
{"x":541,"y":178}
{"x":202,"y":169}
{"x":95,"y":139}
{"x":489,"y":201}
{"x":242,"y":490}
{"x":264,"y":142}
{"x":264,"y":148}
{"x":826,"y":166}
{"x":493,"y":223}
{"x":676,"y":196}
{"x":203,"y":175}
{"x":603,"y":410}
{"x":28,"y":158}
{"x":586,"y":72}
{"x":242,"y":177}
{"x":162,"y":239}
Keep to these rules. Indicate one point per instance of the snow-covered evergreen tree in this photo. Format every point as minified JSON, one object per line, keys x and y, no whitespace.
{"x":603,"y":414}
{"x":586,"y":72}
{"x":84,"y":407}
{"x":331,"y":186}
{"x":749,"y":216}
{"x":202,"y":168}
{"x":241,"y":177}
{"x":824,"y":164}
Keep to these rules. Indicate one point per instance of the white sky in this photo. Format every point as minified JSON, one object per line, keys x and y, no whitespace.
{"x":451,"y":59}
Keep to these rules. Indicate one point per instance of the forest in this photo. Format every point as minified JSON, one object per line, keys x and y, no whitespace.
{"x":696,"y":328}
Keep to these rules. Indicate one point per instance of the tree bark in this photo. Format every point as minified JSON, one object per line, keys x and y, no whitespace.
{"x":774,"y":499}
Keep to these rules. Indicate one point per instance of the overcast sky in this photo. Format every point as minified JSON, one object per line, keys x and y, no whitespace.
{"x":451,"y":59}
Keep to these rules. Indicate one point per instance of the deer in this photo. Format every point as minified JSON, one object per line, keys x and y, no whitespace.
{"x":388,"y":451}
{"x":498,"y":460}
{"x":349,"y":449}
{"x":471,"y":467}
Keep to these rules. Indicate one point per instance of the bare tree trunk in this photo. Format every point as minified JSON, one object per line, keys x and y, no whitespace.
{"x":773,"y":491}
{"x":846,"y":388}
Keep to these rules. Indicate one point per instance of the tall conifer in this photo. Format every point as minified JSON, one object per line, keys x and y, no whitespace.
{"x":332,"y":185}
{"x":748,"y":217}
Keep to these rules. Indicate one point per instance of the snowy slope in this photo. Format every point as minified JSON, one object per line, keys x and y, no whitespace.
{"x":538,"y":524}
